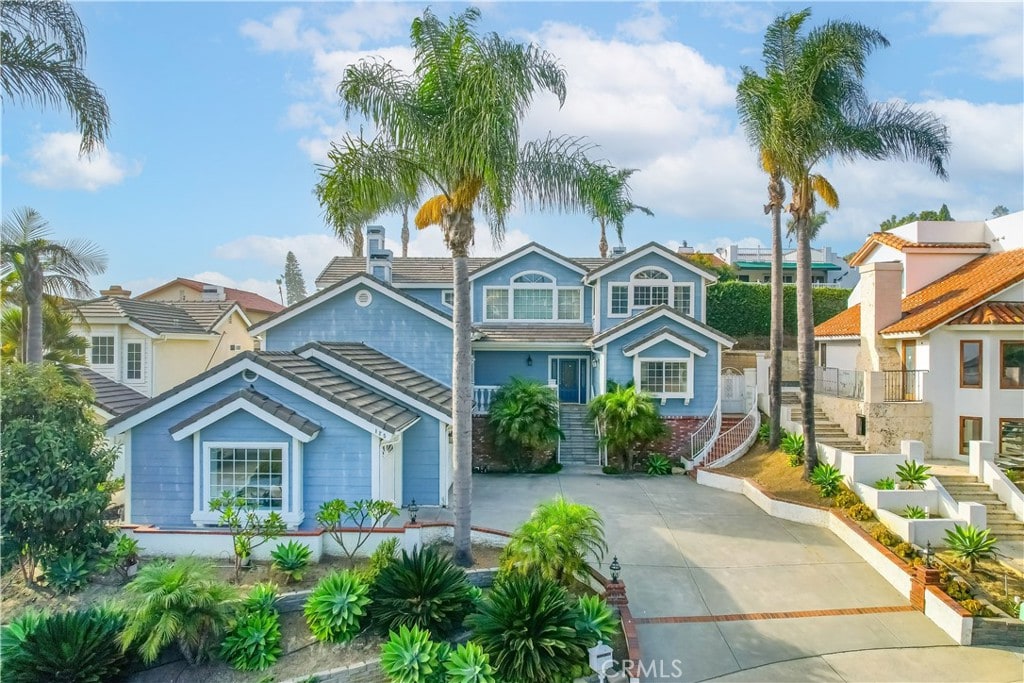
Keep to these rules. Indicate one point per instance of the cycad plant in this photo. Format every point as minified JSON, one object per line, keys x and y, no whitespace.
{"x":629,"y":421}
{"x":556,"y":541}
{"x":970,"y":544}
{"x":524,"y":417}
{"x":178,"y":602}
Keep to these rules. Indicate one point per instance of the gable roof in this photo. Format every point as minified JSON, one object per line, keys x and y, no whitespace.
{"x":946,"y":298}
{"x":531,"y":248}
{"x":250,"y":301}
{"x":528,"y":333}
{"x":212,"y":313}
{"x":111,"y":397}
{"x":654,"y":313}
{"x":251,"y":401}
{"x":160,"y":317}
{"x":992,"y":313}
{"x":364,"y":279}
{"x":660,"y":335}
{"x":639,"y":252}
{"x":888,"y":239}
{"x":369,"y":363}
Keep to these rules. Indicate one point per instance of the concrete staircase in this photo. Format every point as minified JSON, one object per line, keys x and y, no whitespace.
{"x":825,"y":431}
{"x":967,"y":489}
{"x":580,"y":444}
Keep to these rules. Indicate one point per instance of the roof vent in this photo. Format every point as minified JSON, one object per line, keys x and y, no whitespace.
{"x":249,"y":376}
{"x":364,"y":297}
{"x":213,"y":293}
{"x":116,"y":290}
{"x":618,"y":251}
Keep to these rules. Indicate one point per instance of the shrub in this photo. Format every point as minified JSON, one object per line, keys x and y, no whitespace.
{"x":524,"y":418}
{"x":550,"y":467}
{"x":248,"y":527}
{"x":957,"y":589}
{"x":71,"y":646}
{"x":764,"y":432}
{"x":468,"y":663}
{"x":261,"y":598}
{"x":410,"y":656}
{"x":597,"y":621}
{"x":68,"y":573}
{"x":253,"y":641}
{"x":336,"y":607}
{"x":527,"y":626}
{"x":291,"y":559}
{"x":914,"y":512}
{"x":122,"y":555}
{"x":382,"y":556}
{"x":827,"y":478}
{"x":364,"y":515}
{"x":887,"y":484}
{"x":742,"y":309}
{"x":425,"y":590}
{"x":611,"y":469}
{"x":860,"y":512}
{"x":975,"y":607}
{"x":177,"y":602}
{"x":970,"y":544}
{"x":795,"y":459}
{"x":913,"y":474}
{"x":793,"y":444}
{"x":881,"y":533}
{"x":658,"y":464}
{"x":629,"y":422}
{"x":556,"y":541}
{"x":846,"y":499}
{"x":905,"y":550}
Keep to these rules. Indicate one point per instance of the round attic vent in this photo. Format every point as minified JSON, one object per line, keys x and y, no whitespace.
{"x":363,"y":297}
{"x":249,"y":376}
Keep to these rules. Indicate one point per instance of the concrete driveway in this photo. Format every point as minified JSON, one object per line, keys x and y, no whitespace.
{"x":720,"y":589}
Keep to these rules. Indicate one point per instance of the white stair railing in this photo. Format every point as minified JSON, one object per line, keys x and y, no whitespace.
{"x":735,"y":441}
{"x":702,"y":439}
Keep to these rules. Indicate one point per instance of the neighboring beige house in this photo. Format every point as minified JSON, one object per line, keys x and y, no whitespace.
{"x":932,"y":346}
{"x":255,"y":306}
{"x":151,"y":346}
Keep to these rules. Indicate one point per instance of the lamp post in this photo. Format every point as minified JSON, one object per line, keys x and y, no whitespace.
{"x":615,"y":569}
{"x":413,"y":509}
{"x":615,"y":590}
{"x":928,"y":554}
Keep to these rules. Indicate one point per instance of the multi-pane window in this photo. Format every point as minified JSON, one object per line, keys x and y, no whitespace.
{"x":619,"y":300}
{"x":102,"y":350}
{"x":654,"y":294}
{"x":663,"y":377}
{"x":970,"y":430}
{"x":448,"y":297}
{"x":570,"y":304}
{"x":533,"y":297}
{"x":496,"y":304}
{"x":970,"y":365}
{"x":1011,"y":364}
{"x":254,"y":475}
{"x":133,"y":360}
{"x":683,"y":301}
{"x":533,"y":304}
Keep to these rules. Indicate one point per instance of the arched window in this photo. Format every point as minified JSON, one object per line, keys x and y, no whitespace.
{"x":533,"y":296}
{"x":531,"y":279}
{"x":651,"y":287}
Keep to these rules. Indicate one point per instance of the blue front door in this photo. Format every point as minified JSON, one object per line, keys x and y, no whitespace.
{"x":571,"y":380}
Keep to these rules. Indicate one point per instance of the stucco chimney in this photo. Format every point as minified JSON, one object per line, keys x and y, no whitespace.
{"x":116,"y":290}
{"x":685,"y":249}
{"x":881,"y":300}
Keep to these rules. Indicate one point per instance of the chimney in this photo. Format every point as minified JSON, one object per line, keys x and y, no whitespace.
{"x":618,"y":251}
{"x":378,"y":259}
{"x":116,"y":291}
{"x":213,"y":293}
{"x":685,"y":249}
{"x":881,"y":301}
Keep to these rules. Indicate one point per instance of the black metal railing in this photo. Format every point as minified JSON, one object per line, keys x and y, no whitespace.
{"x":839,"y":382}
{"x":904,"y":385}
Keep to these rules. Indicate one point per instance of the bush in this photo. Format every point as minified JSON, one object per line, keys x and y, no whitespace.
{"x":975,"y":607}
{"x":597,"y":621}
{"x":122,"y":556}
{"x":423,"y":590}
{"x":764,"y":432}
{"x":957,"y":589}
{"x":611,"y":469}
{"x":68,"y":573}
{"x":913,"y":474}
{"x":658,"y":464}
{"x":914,"y":512}
{"x":793,"y":444}
{"x":887,"y":484}
{"x":524,"y":419}
{"x":629,"y":422}
{"x":970,"y":544}
{"x":846,"y":499}
{"x":827,"y":478}
{"x":556,"y":541}
{"x":795,"y":459}
{"x":410,"y":656}
{"x":253,"y":641}
{"x":905,"y":550}
{"x":550,"y":467}
{"x":881,"y":533}
{"x":291,"y":559}
{"x":527,"y":626}
{"x":860,"y":512}
{"x":336,"y":607}
{"x":382,"y":556}
{"x":177,"y":602}
{"x":742,"y":309}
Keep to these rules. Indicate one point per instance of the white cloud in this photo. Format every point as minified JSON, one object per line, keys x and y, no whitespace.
{"x":313,"y":251}
{"x":289,"y":30}
{"x":986,"y":137}
{"x":267,"y":288}
{"x":56,"y":164}
{"x":997,"y":27}
{"x":430,"y":242}
{"x":648,"y":25}
{"x":282,"y":32}
{"x":745,"y":18}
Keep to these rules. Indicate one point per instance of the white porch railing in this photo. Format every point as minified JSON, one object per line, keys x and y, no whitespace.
{"x":702,"y":439}
{"x":735,"y":441}
{"x":483,"y":394}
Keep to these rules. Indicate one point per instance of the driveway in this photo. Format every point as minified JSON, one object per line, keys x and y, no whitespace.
{"x":721,"y":589}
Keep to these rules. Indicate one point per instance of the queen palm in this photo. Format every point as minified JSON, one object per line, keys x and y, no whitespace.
{"x":44,"y":267}
{"x":42,"y":52}
{"x":818,"y":108}
{"x":451,"y":127}
{"x":610,"y":201}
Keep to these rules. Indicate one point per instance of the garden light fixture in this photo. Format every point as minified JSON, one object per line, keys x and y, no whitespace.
{"x":928,"y":554}
{"x":615,"y":568}
{"x":413,"y":509}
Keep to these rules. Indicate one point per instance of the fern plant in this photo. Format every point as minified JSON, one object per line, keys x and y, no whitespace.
{"x":970,"y":544}
{"x":913,"y":474}
{"x":424,"y":590}
{"x":658,"y":464}
{"x":253,"y":642}
{"x":68,"y":573}
{"x":336,"y":606}
{"x":914,"y":512}
{"x":468,"y":663}
{"x":827,"y":478}
{"x":291,"y":559}
{"x":597,"y":621}
{"x":410,"y":656}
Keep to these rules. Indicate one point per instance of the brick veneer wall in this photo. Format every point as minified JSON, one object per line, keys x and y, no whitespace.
{"x":677,"y":444}
{"x":486,"y":457}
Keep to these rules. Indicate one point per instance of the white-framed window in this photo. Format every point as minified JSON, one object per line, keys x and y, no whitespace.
{"x":257,"y":473}
{"x":133,"y":360}
{"x":649,"y":287}
{"x":533,"y":296}
{"x":682,"y":299}
{"x":664,"y":377}
{"x":618,"y":300}
{"x":448,"y":297}
{"x":102,"y":350}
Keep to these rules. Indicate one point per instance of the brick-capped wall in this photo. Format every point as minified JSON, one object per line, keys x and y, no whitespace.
{"x":486,"y":457}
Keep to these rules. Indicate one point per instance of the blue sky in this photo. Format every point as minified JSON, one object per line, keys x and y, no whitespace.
{"x":221,"y":111}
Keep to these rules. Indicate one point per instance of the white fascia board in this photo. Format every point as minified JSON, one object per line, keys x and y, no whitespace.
{"x":672,"y":339}
{"x":143,"y":329}
{"x":529,"y":346}
{"x":532,"y":248}
{"x":243,"y":404}
{"x":617,"y":263}
{"x":637,"y":322}
{"x":447,"y":284}
{"x":838,"y":337}
{"x":227,"y":316}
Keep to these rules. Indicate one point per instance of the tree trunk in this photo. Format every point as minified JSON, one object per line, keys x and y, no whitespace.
{"x":602,"y":246}
{"x":805,"y":339}
{"x":776,"y":193}
{"x":33,"y":286}
{"x":357,"y":241}
{"x":459,"y":237}
{"x":405,"y":231}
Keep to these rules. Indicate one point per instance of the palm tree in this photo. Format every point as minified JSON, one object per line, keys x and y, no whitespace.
{"x":45,"y":267}
{"x":452,"y":126}
{"x":60,"y":343}
{"x":628,"y":420}
{"x":820,"y":111}
{"x":42,"y":53}
{"x":610,"y":202}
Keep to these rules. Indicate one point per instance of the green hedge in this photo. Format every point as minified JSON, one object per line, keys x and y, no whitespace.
{"x":742,"y":309}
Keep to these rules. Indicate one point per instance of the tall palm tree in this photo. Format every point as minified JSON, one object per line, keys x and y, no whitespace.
{"x":452,"y":127}
{"x":42,"y":55}
{"x":610,"y":201}
{"x":821,"y":111}
{"x":45,"y":267}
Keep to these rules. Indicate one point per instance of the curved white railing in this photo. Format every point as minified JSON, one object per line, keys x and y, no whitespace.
{"x":702,"y":439}
{"x":735,"y":441}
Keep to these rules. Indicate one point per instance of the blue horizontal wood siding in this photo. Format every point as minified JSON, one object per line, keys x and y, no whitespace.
{"x":431,"y":297}
{"x":621,"y":275}
{"x":498,"y":367}
{"x":420,"y":462}
{"x":385,"y":324}
{"x":501,"y":277}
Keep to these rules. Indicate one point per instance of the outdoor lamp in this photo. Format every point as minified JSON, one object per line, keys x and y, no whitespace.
{"x":529,"y":361}
{"x":615,"y":568}
{"x":928,"y":554}
{"x":413,"y":509}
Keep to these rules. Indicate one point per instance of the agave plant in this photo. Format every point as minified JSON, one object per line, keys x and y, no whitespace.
{"x":425,"y":590}
{"x":556,"y":541}
{"x":72,"y":646}
{"x":262,"y":598}
{"x":827,"y":478}
{"x":970,"y":544}
{"x":658,"y":464}
{"x":597,"y":621}
{"x":68,"y":573}
{"x":382,"y":556}
{"x":886,"y":484}
{"x":914,"y":512}
{"x":468,"y":663}
{"x":336,"y":606}
{"x":913,"y":474}
{"x":291,"y":559}
{"x":410,"y":656}
{"x":253,"y":642}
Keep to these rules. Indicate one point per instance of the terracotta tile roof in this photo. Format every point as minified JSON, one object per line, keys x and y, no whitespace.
{"x":993,"y":313}
{"x":901,"y":244}
{"x":948,"y":297}
{"x":249,"y":301}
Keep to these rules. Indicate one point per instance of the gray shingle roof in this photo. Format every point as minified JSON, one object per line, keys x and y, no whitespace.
{"x":264,"y":403}
{"x":206,"y":313}
{"x":534,"y":332}
{"x":386,"y":369}
{"x":160,"y":317}
{"x":652,"y":313}
{"x":112,"y":397}
{"x":664,"y":330}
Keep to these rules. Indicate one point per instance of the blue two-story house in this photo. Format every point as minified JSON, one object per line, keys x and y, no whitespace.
{"x":350,"y":397}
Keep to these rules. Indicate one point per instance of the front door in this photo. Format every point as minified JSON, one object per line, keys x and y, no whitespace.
{"x":571,"y":380}
{"x":390,"y":485}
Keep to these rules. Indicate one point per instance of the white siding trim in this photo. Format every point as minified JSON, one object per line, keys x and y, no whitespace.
{"x":375,"y":467}
{"x":297,"y":478}
{"x":532,"y":248}
{"x":205,"y":515}
{"x":235,"y":406}
{"x":664,"y":336}
{"x":673,"y":315}
{"x":199,"y":474}
{"x":127,"y":454}
{"x":686,"y":360}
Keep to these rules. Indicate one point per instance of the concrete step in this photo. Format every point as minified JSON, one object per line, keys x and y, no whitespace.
{"x":957,"y":479}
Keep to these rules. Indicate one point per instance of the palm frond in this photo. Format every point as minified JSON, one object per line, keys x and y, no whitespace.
{"x":824,"y":189}
{"x":432,"y":212}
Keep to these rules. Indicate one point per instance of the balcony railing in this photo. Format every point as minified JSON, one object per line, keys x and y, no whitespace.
{"x":904,"y":385}
{"x":839,"y":382}
{"x":483,"y":394}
